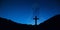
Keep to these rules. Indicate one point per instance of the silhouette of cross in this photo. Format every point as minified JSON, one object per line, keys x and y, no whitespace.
{"x":35,"y":20}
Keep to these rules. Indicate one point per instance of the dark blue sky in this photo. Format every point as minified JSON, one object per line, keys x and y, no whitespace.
{"x":21,"y":11}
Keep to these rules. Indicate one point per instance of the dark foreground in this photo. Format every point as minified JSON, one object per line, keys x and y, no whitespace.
{"x":51,"y":24}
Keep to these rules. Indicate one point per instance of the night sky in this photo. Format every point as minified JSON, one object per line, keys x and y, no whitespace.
{"x":22,"y":11}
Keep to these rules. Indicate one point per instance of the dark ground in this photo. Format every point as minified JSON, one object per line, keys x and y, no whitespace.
{"x":51,"y":24}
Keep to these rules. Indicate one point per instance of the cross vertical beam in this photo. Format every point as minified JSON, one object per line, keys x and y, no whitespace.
{"x":35,"y":20}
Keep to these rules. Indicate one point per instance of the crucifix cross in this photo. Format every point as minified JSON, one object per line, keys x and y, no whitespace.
{"x":35,"y":20}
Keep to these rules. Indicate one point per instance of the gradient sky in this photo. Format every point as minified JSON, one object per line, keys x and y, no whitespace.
{"x":21,"y":11}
